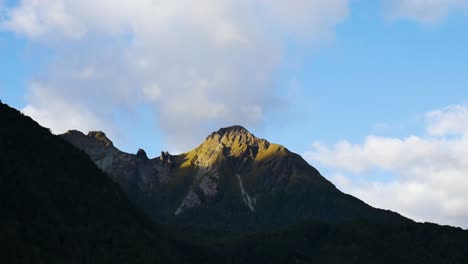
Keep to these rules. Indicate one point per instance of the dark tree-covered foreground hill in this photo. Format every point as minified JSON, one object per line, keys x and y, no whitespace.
{"x":57,"y":206}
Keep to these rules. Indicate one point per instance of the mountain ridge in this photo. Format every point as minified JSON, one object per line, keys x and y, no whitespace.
{"x":233,"y":180}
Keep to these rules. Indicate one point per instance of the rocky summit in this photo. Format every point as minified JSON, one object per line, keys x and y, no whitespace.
{"x":232,"y":181}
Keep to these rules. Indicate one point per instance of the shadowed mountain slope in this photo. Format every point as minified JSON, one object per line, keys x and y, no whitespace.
{"x":58,"y":207}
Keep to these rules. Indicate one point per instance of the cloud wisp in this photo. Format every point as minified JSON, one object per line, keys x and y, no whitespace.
{"x":198,"y":64}
{"x":423,"y":11}
{"x":429,"y":173}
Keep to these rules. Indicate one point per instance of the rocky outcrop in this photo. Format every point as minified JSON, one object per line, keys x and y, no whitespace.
{"x":142,"y":154}
{"x":190,"y":201}
{"x":166,"y":158}
{"x":135,"y":173}
{"x":208,"y":185}
{"x":96,"y":145}
{"x":101,"y":136}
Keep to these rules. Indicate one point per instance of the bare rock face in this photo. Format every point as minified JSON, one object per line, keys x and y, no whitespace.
{"x":209,"y":185}
{"x":190,"y":201}
{"x":235,"y":143}
{"x":250,"y":202}
{"x":96,"y":145}
{"x":135,"y":173}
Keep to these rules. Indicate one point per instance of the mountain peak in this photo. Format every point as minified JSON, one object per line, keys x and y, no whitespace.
{"x":233,"y":134}
{"x":236,"y":129}
{"x":233,"y":142}
{"x":232,"y":137}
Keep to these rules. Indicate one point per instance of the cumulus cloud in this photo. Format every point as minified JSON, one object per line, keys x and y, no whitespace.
{"x":452,"y":120}
{"x":199,"y":64}
{"x":429,"y":173}
{"x":423,"y":11}
{"x":45,"y":107}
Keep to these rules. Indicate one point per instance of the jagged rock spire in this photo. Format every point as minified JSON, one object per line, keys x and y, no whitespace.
{"x":142,"y":154}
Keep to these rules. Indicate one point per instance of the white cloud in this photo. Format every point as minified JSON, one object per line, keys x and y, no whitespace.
{"x":37,"y":18}
{"x":429,"y":173}
{"x":152,"y":92}
{"x":59,"y":116}
{"x":200,"y":64}
{"x":451,"y":120}
{"x":423,"y":11}
{"x":86,"y":73}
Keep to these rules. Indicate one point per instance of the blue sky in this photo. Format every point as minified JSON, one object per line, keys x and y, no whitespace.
{"x":328,"y":79}
{"x":375,"y":72}
{"x":380,"y":72}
